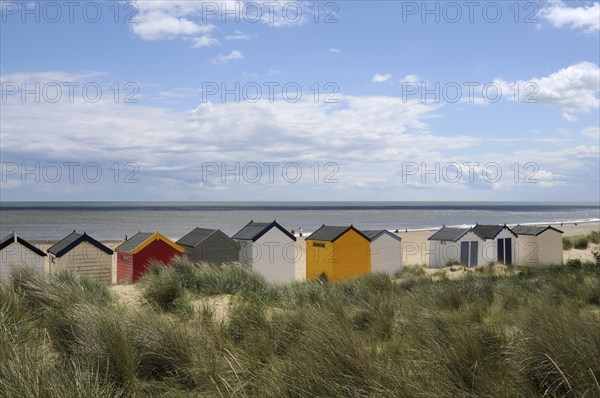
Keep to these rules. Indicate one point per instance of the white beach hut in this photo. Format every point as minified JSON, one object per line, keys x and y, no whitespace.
{"x":479,"y":245}
{"x":386,"y":251}
{"x":16,"y":251}
{"x":538,"y":245}
{"x":492,"y":243}
{"x":83,"y":254}
{"x":445,"y":248}
{"x":268,"y":249}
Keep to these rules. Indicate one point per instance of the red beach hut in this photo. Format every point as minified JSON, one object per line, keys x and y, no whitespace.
{"x":135,"y":254}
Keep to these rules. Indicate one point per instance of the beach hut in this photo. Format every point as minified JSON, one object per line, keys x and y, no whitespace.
{"x":445,"y":248}
{"x":209,"y":245}
{"x":538,"y":245}
{"x":498,"y":244}
{"x":268,"y":249}
{"x":386,"y":251}
{"x":16,"y":251}
{"x":83,"y":254}
{"x":337,"y":253}
{"x":136,"y":253}
{"x":479,"y":245}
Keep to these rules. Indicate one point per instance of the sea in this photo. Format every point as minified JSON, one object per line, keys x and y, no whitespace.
{"x":108,"y":221}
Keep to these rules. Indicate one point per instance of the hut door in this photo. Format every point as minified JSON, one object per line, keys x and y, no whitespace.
{"x":501,"y":250}
{"x":508,"y":251}
{"x":505,"y":251}
{"x":474,"y":250}
{"x":464,"y":253}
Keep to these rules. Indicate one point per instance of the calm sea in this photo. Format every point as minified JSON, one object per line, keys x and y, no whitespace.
{"x":113,"y":220}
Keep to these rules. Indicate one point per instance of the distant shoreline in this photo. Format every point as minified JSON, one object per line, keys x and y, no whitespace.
{"x":297,"y":206}
{"x":570,"y":228}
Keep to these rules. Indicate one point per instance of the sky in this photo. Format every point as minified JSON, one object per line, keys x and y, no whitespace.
{"x":300,"y":101}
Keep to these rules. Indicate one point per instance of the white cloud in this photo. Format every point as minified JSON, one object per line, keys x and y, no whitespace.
{"x":410,"y":79}
{"x":161,"y":24}
{"x":205,"y":41}
{"x":238,"y":35}
{"x":377,"y":78}
{"x":586,"y":18}
{"x":593,"y":132}
{"x":573,"y":89}
{"x":234,"y":55}
{"x":181,"y":19}
{"x":335,"y":50}
{"x":369,"y":137}
{"x":50,"y":76}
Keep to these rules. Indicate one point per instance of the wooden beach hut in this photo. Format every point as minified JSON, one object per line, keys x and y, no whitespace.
{"x":538,"y":245}
{"x":268,"y":249}
{"x":83,"y":254}
{"x":209,"y":245}
{"x":135,"y":254}
{"x":16,"y":251}
{"x":472,"y":247}
{"x":445,"y":248}
{"x":498,"y":244}
{"x":386,"y":251}
{"x":337,"y":253}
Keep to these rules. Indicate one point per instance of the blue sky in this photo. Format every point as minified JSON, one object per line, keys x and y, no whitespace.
{"x":394,"y":118}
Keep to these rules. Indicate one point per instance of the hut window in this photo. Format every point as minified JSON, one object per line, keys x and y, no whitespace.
{"x":315,"y":244}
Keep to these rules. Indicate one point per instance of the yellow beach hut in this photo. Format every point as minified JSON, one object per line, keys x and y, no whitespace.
{"x":337,"y":253}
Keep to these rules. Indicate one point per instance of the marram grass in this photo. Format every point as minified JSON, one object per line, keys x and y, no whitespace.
{"x":525,"y":333}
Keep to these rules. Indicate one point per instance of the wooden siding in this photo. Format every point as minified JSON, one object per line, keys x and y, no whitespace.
{"x":386,"y":254}
{"x":443,"y":253}
{"x":493,"y":256}
{"x":15,"y":255}
{"x":245,"y":253}
{"x":124,"y":267}
{"x":216,"y":249}
{"x":85,"y":259}
{"x":487,"y":252}
{"x":273,"y":257}
{"x":320,"y":257}
{"x":485,"y":249}
{"x":348,"y":256}
{"x":550,"y":247}
{"x":157,"y":250}
{"x":527,"y":250}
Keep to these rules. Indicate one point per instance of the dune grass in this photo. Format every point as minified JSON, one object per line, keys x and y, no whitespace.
{"x":528,"y":334}
{"x":581,"y":242}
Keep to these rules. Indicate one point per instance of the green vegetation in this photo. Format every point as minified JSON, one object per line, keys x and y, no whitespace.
{"x":525,"y":332}
{"x":581,"y":242}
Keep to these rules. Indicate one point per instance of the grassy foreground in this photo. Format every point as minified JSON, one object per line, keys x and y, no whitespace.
{"x":521,"y":334}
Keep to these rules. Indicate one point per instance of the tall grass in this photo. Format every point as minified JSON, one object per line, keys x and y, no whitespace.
{"x":528,"y":333}
{"x":581,"y":242}
{"x":165,"y":287}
